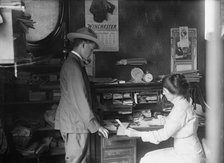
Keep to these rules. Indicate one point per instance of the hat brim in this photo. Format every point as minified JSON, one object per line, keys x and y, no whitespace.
{"x":72,"y":36}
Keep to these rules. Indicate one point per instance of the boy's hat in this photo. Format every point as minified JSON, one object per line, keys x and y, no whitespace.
{"x":85,"y":33}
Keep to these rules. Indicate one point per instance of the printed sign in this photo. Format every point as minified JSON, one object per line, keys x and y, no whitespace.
{"x":183,"y":49}
{"x":102,"y":17}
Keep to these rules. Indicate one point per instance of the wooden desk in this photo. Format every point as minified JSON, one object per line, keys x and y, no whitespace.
{"x":115,"y":149}
{"x":122,"y":149}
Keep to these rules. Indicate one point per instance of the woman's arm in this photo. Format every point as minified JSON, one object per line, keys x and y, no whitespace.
{"x":174,"y":122}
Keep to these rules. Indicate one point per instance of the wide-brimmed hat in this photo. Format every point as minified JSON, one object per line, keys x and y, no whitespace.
{"x":85,"y":33}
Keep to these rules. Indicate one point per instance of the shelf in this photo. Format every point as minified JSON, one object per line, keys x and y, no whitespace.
{"x":52,"y":152}
{"x":41,"y":87}
{"x":50,"y":85}
{"x":127,"y":87}
{"x":31,"y":102}
{"x":55,"y":151}
{"x":38,"y":66}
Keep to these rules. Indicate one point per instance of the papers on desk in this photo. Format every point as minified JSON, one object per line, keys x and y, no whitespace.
{"x":121,"y":130}
{"x":152,"y":123}
{"x":110,"y":126}
{"x":143,"y":125}
{"x":122,"y":127}
{"x":118,"y":127}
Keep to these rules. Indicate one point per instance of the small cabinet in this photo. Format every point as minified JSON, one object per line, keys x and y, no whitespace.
{"x":117,"y":149}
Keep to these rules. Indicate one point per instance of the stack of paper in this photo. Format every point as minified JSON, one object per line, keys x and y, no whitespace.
{"x":191,"y":75}
{"x":122,"y":127}
{"x":132,"y":61}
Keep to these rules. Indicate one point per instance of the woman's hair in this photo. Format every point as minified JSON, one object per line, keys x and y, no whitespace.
{"x":177,"y":85}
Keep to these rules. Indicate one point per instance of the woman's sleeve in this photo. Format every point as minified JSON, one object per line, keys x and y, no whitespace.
{"x":174,"y":123}
{"x":160,"y":120}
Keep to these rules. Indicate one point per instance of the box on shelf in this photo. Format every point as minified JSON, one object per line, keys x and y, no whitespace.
{"x":37,"y":95}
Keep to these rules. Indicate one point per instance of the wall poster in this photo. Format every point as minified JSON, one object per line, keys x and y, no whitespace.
{"x":102,"y":17}
{"x":183,"y":49}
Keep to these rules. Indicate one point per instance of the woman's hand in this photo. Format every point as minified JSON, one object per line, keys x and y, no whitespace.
{"x":132,"y":133}
{"x":103,"y":132}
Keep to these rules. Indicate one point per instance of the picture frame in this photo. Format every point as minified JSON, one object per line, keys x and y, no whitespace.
{"x":183,"y":49}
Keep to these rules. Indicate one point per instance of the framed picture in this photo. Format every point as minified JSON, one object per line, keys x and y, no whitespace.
{"x":183,"y":49}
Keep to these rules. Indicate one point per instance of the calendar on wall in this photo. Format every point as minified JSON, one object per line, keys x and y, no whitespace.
{"x":103,"y":19}
{"x":183,"y":49}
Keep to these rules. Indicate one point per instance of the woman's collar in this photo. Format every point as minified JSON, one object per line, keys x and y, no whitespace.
{"x":177,"y":98}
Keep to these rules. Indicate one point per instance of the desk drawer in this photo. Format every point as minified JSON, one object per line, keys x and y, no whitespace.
{"x":119,"y":152}
{"x":107,"y":143}
{"x":120,"y":160}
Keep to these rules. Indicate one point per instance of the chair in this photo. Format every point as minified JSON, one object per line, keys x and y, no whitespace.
{"x":205,"y":148}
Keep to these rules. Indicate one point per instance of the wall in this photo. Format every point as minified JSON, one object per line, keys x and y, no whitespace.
{"x":145,"y":32}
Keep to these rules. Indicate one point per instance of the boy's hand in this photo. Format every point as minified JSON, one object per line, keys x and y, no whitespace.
{"x":103,"y":132}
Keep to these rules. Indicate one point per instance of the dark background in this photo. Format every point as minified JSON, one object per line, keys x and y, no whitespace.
{"x":144,"y":31}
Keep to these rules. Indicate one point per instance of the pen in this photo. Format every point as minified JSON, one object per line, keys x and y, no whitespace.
{"x":119,"y":122}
